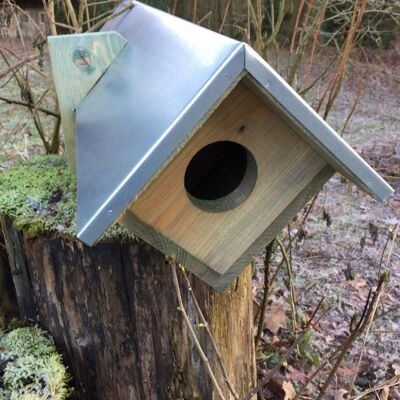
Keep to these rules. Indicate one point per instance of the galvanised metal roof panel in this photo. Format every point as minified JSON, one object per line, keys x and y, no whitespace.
{"x":313,"y":128}
{"x":166,"y":79}
{"x":159,"y":87}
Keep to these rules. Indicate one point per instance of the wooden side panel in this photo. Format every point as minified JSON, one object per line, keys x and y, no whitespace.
{"x":221,"y":282}
{"x":78,"y":61}
{"x":286,"y":165}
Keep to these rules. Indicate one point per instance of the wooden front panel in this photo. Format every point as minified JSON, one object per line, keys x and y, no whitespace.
{"x":286,"y":164}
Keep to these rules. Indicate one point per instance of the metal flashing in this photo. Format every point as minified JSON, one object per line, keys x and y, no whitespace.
{"x":314,"y":129}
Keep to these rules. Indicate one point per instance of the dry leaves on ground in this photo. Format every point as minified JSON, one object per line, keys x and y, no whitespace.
{"x":275,"y":317}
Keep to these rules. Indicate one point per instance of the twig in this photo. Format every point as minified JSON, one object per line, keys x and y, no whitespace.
{"x":110,"y":17}
{"x":389,"y":383}
{"x":322,"y":365}
{"x":309,"y":322}
{"x":267,"y":273}
{"x":290,"y":284}
{"x":207,"y":328}
{"x":24,"y":87}
{"x":208,"y":15}
{"x":362,"y":325}
{"x":392,"y":239}
{"x":295,"y":29}
{"x":98,"y":3}
{"x":318,"y":78}
{"x":285,"y":357}
{"x":356,"y":101}
{"x":314,"y":45}
{"x":271,"y":372}
{"x":30,"y":105}
{"x":31,"y":20}
{"x":18,"y":65}
{"x":27,"y":63}
{"x":50,"y":15}
{"x":196,"y":342}
{"x":55,"y":137}
{"x":354,"y":377}
{"x":17,"y":24}
{"x":72,"y":15}
{"x":225,"y":15}
{"x":351,"y":386}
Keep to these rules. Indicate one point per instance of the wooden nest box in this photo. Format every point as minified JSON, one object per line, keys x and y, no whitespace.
{"x":191,"y":140}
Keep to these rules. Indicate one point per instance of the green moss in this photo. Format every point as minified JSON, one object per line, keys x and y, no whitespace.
{"x":33,"y":368}
{"x":39,"y":196}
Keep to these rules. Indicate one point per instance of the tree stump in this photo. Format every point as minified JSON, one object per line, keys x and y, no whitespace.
{"x":8,"y":300}
{"x":112,"y":310}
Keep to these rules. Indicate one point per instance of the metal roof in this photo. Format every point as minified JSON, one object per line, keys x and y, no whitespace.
{"x":158,"y":89}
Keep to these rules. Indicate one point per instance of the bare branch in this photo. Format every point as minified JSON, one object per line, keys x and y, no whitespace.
{"x":196,"y":342}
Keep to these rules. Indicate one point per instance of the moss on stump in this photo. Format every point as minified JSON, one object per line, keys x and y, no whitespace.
{"x":31,"y":367}
{"x":39,"y":196}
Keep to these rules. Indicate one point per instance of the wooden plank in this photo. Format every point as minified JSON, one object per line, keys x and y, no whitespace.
{"x":286,"y":165}
{"x":222,"y":282}
{"x":78,"y":61}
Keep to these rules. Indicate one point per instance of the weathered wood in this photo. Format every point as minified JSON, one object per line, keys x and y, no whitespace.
{"x":221,"y":282}
{"x":19,"y":269}
{"x":286,"y":164}
{"x":8,"y":299}
{"x":112,"y":310}
{"x":78,"y":61}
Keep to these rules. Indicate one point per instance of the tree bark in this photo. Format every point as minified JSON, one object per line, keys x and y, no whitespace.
{"x":8,"y":300}
{"x":112,"y":310}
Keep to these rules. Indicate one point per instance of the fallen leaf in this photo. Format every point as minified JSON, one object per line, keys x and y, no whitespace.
{"x":288,"y":388}
{"x":340,"y":394}
{"x":384,"y":393}
{"x":396,"y":369}
{"x":328,"y":339}
{"x":357,"y":283}
{"x":296,"y":375}
{"x":256,"y":309}
{"x":275,"y":317}
{"x":345,"y":371}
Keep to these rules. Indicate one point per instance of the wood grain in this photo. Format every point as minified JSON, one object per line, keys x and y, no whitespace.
{"x":112,"y":310}
{"x":217,"y":281}
{"x":75,"y":74}
{"x":8,"y":299}
{"x":286,"y":165}
{"x":18,"y":268}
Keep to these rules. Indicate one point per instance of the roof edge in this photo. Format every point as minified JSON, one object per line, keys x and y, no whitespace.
{"x":314,"y":129}
{"x":190,"y":116}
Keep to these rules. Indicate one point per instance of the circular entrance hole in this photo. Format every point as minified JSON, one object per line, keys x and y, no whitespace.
{"x":220,"y":176}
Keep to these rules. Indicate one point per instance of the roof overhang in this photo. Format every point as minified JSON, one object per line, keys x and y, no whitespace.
{"x":156,"y":94}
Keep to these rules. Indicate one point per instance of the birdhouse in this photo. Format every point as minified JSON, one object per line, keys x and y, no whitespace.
{"x":191,"y":140}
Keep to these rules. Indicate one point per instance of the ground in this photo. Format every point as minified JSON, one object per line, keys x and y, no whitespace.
{"x":347,"y":241}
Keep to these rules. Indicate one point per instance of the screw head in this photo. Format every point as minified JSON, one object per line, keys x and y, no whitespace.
{"x":83,"y":59}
